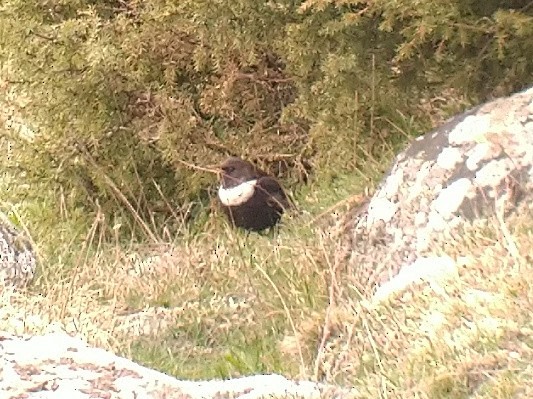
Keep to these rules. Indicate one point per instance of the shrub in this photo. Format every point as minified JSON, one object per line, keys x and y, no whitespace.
{"x":124,"y":96}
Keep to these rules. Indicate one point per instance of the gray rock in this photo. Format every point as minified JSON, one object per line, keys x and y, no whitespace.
{"x":17,"y":259}
{"x":59,"y":366}
{"x":478,"y":163}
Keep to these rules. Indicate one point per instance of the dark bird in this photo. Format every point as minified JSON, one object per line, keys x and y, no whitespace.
{"x":250,"y":198}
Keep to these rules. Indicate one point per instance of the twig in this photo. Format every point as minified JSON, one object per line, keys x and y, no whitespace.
{"x":196,"y":167}
{"x":353,"y":198}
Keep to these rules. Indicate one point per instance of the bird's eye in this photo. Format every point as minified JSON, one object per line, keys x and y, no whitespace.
{"x":229,"y":169}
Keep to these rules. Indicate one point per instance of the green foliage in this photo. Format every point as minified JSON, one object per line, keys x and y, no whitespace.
{"x":124,"y":97}
{"x":245,"y":357}
{"x":364,"y":64}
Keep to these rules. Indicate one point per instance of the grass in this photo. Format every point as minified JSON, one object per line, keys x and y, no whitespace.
{"x":222,"y":303}
{"x":212,"y":302}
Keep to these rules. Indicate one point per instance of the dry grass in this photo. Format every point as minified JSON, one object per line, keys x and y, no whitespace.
{"x":218,"y":297}
{"x":223,"y":303}
{"x":470,"y":336}
{"x":220,"y":303}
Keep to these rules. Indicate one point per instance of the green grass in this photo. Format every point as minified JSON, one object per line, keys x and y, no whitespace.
{"x":196,"y":355}
{"x":242,"y":303}
{"x":211,"y":302}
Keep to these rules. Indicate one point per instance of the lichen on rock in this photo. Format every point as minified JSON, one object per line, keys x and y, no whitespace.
{"x":60,"y":366}
{"x":17,"y":258}
{"x":478,"y":163}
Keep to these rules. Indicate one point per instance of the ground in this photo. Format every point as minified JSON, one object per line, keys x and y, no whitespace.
{"x":221,"y":303}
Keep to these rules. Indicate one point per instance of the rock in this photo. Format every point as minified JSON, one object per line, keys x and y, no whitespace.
{"x":477,"y":164}
{"x":17,"y":259}
{"x":60,"y":366}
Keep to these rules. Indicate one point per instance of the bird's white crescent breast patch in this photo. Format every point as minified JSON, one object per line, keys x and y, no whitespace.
{"x":237,"y":195}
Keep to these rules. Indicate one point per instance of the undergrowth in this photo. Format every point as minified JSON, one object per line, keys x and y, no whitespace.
{"x":205,"y":301}
{"x":223,"y":303}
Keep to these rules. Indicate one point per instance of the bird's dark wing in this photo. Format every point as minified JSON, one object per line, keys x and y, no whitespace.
{"x":275,"y":196}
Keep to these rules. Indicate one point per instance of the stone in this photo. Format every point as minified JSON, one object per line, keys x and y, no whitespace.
{"x":17,"y":258}
{"x":57,"y":365}
{"x":477,"y":164}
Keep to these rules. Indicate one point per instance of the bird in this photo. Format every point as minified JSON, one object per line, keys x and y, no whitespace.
{"x":250,"y":198}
